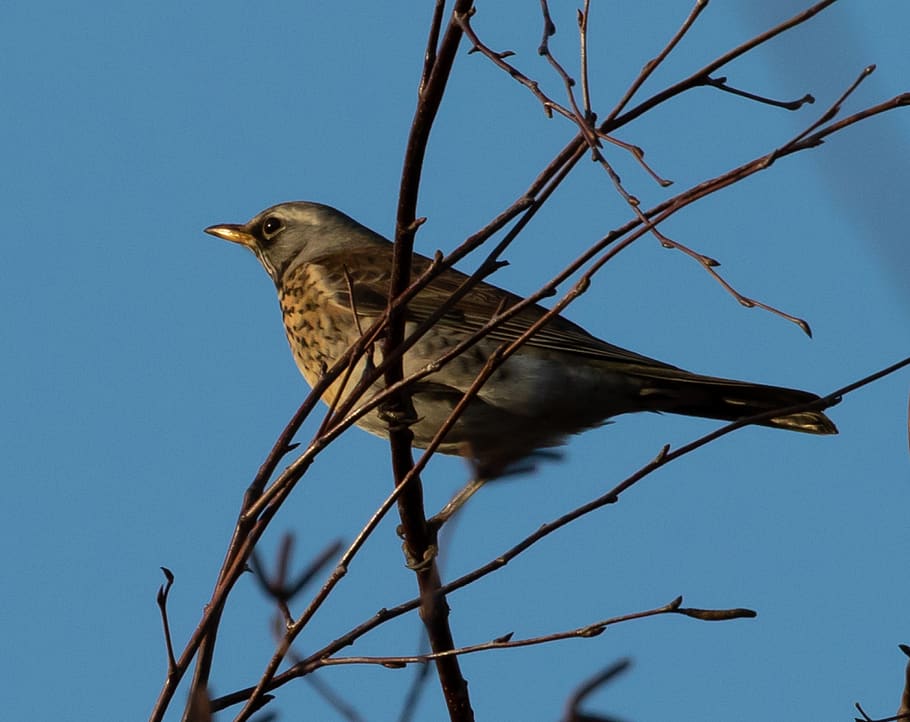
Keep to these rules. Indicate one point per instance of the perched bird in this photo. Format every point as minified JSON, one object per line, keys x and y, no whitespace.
{"x":561,"y":382}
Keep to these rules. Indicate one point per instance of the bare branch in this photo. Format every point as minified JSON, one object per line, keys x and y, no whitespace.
{"x":664,"y":457}
{"x":163,"y":592}
{"x":583,"y":17}
{"x":721,"y":84}
{"x":655,"y":62}
{"x":261,"y":500}
{"x":700,"y":77}
{"x":577,"y":290}
{"x":506,"y":641}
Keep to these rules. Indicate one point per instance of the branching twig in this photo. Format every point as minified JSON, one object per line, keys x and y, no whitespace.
{"x":507,"y":641}
{"x":660,"y":212}
{"x":417,"y":538}
{"x":590,"y":135}
{"x":702,"y":76}
{"x":652,"y":65}
{"x":262,"y":500}
{"x":317,"y":661}
{"x":664,"y":457}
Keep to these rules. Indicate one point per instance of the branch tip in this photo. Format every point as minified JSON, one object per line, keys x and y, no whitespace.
{"x":717,"y":615}
{"x":417,"y":223}
{"x":593,"y":631}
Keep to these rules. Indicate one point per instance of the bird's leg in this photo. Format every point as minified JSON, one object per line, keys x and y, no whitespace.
{"x":396,"y":417}
{"x":455,"y":503}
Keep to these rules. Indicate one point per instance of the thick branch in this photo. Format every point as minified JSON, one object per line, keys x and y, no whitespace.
{"x":418,"y":539}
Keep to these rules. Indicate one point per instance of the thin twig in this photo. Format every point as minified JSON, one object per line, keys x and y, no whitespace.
{"x":635,"y":229}
{"x":251,"y":525}
{"x":583,"y":16}
{"x":573,"y":704}
{"x":655,"y":62}
{"x":317,"y":661}
{"x":163,"y":592}
{"x":507,"y":641}
{"x":664,"y":457}
{"x":700,"y":77}
{"x":721,"y":84}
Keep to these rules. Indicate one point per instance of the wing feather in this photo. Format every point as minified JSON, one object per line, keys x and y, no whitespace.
{"x":367,"y":270}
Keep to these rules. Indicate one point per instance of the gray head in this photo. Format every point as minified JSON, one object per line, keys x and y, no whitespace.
{"x":289,"y":234}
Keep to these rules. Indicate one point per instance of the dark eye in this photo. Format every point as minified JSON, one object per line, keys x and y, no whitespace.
{"x":271,"y":226}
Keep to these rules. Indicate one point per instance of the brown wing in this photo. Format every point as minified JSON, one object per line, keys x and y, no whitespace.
{"x":368,"y":272}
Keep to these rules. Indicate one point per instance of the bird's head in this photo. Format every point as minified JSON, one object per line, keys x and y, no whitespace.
{"x":288,"y":234}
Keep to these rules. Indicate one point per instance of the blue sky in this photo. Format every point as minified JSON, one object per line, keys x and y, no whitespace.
{"x":145,"y":373}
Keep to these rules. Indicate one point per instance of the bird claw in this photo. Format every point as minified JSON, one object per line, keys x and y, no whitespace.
{"x":396,"y":417}
{"x":420,"y":565}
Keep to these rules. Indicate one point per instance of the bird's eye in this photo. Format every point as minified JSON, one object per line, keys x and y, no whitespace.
{"x":271,"y":226}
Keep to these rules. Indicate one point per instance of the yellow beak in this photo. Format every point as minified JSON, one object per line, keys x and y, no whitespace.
{"x":233,"y":233}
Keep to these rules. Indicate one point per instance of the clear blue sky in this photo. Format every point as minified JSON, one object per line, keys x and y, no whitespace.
{"x":145,"y":373}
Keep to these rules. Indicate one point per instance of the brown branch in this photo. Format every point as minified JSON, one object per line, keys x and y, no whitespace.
{"x":281,"y":590}
{"x":706,"y":262}
{"x":429,"y":57}
{"x":664,"y":457}
{"x":506,"y":641}
{"x":279,"y":586}
{"x":498,"y":59}
{"x":583,"y":120}
{"x":417,"y":537}
{"x":254,"y":517}
{"x":202,"y":641}
{"x":652,"y":65}
{"x":163,"y":591}
{"x":582,"y":17}
{"x":701,"y":77}
{"x":506,"y":314}
{"x":267,"y":503}
{"x":835,"y":107}
{"x":573,"y":151}
{"x":273,"y":497}
{"x":259,"y":506}
{"x":319,"y":660}
{"x":898,"y":101}
{"x":721,"y":84}
{"x":590,"y":136}
{"x":635,"y":229}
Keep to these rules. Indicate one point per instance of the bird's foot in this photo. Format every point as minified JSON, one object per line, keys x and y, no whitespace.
{"x":397,"y":417}
{"x":422,"y":564}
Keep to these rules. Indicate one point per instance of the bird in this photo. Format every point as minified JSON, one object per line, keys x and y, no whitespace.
{"x":332,"y":277}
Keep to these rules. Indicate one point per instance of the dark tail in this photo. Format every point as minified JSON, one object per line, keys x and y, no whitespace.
{"x":680,"y":392}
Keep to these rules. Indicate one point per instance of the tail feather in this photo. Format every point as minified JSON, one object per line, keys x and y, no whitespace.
{"x":727,"y":400}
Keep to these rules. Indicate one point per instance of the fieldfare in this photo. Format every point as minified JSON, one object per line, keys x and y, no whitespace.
{"x":561,"y":382}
